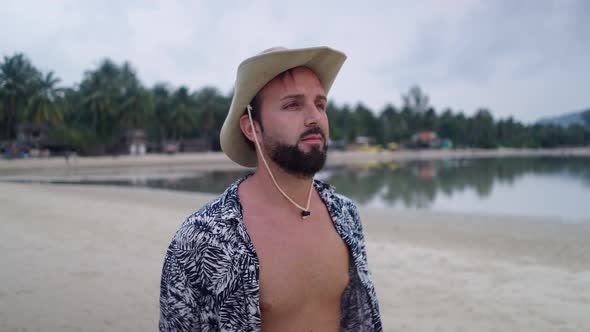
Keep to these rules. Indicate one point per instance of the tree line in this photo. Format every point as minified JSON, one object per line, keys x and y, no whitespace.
{"x":110,"y":99}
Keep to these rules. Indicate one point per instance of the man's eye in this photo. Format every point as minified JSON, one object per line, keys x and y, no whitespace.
{"x":292,"y":105}
{"x":321,"y":106}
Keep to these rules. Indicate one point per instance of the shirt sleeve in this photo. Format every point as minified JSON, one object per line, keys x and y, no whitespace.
{"x":359,"y":232}
{"x":365,"y":273}
{"x":179,"y":309}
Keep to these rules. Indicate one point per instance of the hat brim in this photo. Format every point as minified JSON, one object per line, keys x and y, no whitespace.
{"x":254,"y":73}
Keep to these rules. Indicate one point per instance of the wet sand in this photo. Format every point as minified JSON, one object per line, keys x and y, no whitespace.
{"x":88,"y":258}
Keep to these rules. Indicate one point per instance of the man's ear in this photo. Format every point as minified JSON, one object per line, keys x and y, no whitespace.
{"x":246,"y":127}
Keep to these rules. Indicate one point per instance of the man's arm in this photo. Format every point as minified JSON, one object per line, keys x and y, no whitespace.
{"x":179,"y":310}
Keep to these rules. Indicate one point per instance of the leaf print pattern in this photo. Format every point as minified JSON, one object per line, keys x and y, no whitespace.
{"x":210,"y":277}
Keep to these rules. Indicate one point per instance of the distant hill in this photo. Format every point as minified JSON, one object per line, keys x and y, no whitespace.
{"x":569,"y":119}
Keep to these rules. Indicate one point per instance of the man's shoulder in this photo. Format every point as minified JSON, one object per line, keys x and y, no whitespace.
{"x":208,"y":225}
{"x":206,"y":247}
{"x":217,"y":218}
{"x":198,"y":224}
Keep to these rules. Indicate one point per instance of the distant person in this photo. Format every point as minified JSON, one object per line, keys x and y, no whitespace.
{"x":278,"y":250}
{"x":67,"y":155}
{"x":13,"y":151}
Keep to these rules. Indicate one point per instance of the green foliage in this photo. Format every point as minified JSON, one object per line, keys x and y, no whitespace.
{"x":111,"y":99}
{"x":19,"y":82}
{"x":480,"y":130}
{"x":586,"y":117}
{"x":79,"y":139}
{"x":43,"y":107}
{"x":415,"y":100}
{"x":477,"y":131}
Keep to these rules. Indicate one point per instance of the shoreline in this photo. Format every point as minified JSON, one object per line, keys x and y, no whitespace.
{"x":87,"y":257}
{"x":218,"y":160}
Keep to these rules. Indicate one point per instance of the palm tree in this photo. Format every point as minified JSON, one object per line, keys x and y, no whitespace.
{"x":162,"y":103}
{"x":115,"y":99}
{"x":184,"y":115}
{"x":100,"y":89}
{"x":209,"y":102}
{"x":212,"y":108}
{"x":43,"y":106}
{"x":1,"y":112}
{"x":136,"y":104}
{"x":18,"y":83}
{"x":136,"y":108}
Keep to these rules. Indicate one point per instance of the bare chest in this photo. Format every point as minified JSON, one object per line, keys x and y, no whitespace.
{"x":303,"y":264}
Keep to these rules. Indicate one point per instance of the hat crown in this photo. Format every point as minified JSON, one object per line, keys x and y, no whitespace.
{"x":274,"y":49}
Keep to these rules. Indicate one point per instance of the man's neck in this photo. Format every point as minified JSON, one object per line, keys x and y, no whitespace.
{"x":297,"y":188}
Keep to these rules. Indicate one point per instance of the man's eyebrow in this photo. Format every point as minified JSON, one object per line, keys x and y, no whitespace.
{"x":293,"y":96}
{"x":300,"y":96}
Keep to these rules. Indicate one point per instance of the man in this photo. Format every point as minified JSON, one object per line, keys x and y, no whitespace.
{"x":278,"y":250}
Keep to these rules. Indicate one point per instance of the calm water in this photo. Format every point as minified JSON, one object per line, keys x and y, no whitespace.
{"x":540,"y":186}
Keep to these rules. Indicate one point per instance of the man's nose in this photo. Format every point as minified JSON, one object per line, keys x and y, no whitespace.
{"x":312,"y":115}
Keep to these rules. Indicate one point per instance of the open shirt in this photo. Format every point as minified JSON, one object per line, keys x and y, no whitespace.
{"x":210,"y":278}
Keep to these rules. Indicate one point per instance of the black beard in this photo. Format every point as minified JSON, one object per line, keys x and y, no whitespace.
{"x":296,"y":162}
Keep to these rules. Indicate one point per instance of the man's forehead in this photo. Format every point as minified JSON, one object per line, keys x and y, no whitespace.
{"x":298,"y":78}
{"x":297,"y":71}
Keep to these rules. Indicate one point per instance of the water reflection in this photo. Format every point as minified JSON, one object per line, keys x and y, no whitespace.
{"x":417,"y":184}
{"x":532,"y":186}
{"x":214,"y":182}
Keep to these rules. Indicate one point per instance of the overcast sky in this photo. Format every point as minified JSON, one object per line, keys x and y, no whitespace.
{"x":525,"y":59}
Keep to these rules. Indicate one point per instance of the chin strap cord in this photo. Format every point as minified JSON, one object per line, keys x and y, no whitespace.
{"x":304,"y":210}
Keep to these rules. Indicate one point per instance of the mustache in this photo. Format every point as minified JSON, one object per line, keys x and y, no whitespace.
{"x":313,"y":131}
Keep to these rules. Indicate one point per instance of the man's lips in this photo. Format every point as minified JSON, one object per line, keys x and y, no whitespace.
{"x":313,"y":139}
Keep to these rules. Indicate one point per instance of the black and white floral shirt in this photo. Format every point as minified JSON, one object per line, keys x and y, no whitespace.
{"x":210,"y":279}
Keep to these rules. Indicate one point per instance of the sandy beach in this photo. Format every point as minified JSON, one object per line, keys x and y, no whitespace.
{"x":88,"y":258}
{"x":218,"y":160}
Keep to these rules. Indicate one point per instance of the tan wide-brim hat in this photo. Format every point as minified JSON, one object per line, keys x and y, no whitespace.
{"x":255,"y":72}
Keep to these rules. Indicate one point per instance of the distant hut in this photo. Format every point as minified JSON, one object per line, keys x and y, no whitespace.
{"x":31,"y":135}
{"x":196,"y":144}
{"x":426,"y":140}
{"x":132,"y":141}
{"x":31,"y":140}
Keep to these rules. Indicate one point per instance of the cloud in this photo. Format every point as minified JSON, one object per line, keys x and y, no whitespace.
{"x":524,"y":59}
